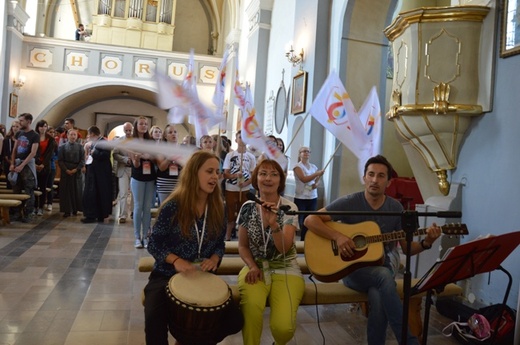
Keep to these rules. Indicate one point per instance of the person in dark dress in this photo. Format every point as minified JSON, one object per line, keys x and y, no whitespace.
{"x":71,"y":160}
{"x":97,"y":193}
{"x":7,"y":148}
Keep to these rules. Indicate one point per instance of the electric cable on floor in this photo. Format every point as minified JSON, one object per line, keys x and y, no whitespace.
{"x":316,"y":307}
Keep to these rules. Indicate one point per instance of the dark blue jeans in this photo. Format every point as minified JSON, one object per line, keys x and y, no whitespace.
{"x":384,"y":303}
{"x":305,"y":205}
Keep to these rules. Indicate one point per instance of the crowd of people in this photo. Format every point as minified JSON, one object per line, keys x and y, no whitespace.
{"x":201,"y":204}
{"x":91,"y":176}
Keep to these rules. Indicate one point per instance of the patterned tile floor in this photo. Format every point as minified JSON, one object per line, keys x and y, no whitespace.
{"x":65,"y":282}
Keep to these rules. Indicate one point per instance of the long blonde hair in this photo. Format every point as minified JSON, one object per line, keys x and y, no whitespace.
{"x":185,"y":195}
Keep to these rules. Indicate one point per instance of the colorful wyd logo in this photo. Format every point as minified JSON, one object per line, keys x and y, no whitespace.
{"x":335,"y":106}
{"x":370,"y":124}
{"x":240,"y":97}
{"x":179,"y":92}
{"x":223,"y":78}
{"x":251,"y":125}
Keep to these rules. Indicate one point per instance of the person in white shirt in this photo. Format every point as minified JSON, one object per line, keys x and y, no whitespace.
{"x":306,"y":176}
{"x":238,"y":167}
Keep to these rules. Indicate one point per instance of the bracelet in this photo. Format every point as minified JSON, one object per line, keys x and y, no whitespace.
{"x":424,"y":246}
{"x":173,"y":262}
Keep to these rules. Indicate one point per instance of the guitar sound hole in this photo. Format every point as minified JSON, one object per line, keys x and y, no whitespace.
{"x":359,"y":241}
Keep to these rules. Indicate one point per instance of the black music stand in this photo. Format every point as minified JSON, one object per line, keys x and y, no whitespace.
{"x":465,"y":261}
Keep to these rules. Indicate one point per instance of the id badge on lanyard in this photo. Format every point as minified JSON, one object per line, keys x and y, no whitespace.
{"x":174,"y":169}
{"x":267,"y":272}
{"x":147,"y":168}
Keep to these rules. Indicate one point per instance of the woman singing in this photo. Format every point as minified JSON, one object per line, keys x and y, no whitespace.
{"x":266,"y":244}
{"x":188,"y":235}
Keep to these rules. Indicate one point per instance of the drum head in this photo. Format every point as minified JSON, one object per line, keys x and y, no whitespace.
{"x":199,"y":288}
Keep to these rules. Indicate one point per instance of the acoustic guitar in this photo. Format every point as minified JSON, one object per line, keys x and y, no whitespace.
{"x":327,"y":264}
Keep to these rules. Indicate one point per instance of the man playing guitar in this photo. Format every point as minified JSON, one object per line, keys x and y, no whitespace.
{"x":377,"y":281}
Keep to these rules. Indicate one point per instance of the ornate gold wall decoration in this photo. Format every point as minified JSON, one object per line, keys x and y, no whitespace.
{"x":436,"y":81}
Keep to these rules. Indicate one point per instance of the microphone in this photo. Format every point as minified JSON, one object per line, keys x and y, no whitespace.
{"x":252,"y":197}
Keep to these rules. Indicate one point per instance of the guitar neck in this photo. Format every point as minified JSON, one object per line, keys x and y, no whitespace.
{"x":393,"y":236}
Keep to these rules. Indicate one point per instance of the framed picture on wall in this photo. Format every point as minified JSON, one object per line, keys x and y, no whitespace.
{"x":13,"y":105}
{"x":510,"y":35}
{"x":299,"y":91}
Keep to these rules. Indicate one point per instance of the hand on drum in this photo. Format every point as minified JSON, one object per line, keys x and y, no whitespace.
{"x":209,"y":265}
{"x":182,"y":265}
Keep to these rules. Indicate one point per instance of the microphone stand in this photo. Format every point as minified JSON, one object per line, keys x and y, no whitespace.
{"x":410,"y":224}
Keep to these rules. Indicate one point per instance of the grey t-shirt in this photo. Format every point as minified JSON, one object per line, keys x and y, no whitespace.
{"x":357,"y":202}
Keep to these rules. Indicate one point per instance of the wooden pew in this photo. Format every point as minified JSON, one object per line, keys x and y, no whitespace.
{"x":5,"y":205}
{"x":232,"y":247}
{"x":322,"y":293}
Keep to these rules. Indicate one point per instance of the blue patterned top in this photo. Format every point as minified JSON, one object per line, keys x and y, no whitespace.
{"x":167,"y":238}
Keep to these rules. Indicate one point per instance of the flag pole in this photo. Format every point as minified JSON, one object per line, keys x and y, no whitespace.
{"x":332,"y":156}
{"x":330,"y":160}
{"x":295,"y":133}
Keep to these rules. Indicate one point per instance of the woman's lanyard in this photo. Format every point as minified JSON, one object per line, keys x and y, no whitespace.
{"x":200,"y":237}
{"x":266,"y":236}
{"x":94,"y":143}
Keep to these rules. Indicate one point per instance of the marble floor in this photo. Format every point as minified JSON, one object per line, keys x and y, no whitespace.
{"x":65,"y":282}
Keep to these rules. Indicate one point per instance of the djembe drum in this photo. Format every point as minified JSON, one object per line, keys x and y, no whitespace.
{"x":198,"y":302}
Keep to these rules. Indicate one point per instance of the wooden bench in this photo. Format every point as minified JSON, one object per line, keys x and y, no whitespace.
{"x":37,"y":193}
{"x":9,"y":198}
{"x":5,"y":205}
{"x":13,"y":196}
{"x":6,"y":191}
{"x":323,"y":293}
{"x":232,"y":247}
{"x":230,"y":265}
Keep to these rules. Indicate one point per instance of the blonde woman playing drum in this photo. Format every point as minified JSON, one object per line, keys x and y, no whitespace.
{"x":187,"y":236}
{"x":266,"y":244}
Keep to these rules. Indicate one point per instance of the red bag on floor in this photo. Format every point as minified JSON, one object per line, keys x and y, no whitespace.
{"x":475,"y":331}
{"x":502,"y":321}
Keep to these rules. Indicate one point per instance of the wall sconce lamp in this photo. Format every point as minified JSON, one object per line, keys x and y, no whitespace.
{"x":294,"y":59}
{"x":17,"y":84}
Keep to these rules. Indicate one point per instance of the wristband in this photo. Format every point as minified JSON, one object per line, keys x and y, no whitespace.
{"x":424,"y":246}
